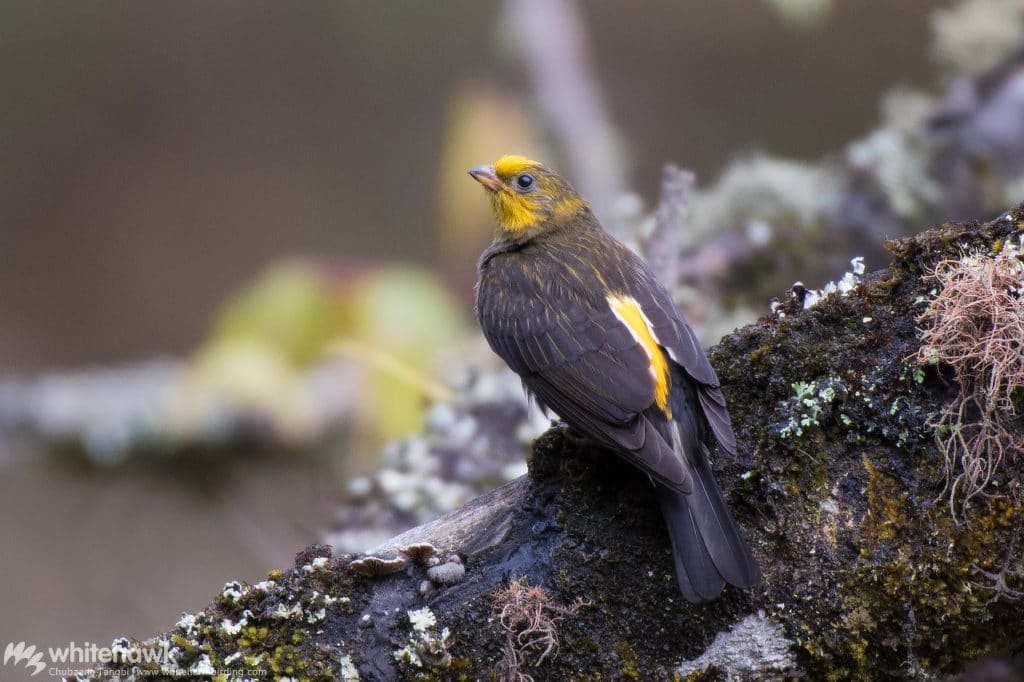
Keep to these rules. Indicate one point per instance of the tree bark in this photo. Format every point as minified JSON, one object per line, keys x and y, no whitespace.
{"x":838,"y":486}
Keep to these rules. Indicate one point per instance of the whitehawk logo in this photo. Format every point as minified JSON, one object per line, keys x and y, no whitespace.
{"x":20,"y":652}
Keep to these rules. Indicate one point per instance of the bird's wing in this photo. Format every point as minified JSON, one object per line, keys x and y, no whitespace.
{"x":672,"y":331}
{"x":584,"y":363}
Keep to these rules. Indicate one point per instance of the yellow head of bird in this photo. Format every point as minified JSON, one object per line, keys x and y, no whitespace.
{"x":527,"y":197}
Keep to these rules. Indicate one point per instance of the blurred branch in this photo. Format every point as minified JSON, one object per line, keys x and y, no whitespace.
{"x":664,"y":245}
{"x":366,"y":355}
{"x":110,"y":414}
{"x":551,"y":41}
{"x":768,"y":222}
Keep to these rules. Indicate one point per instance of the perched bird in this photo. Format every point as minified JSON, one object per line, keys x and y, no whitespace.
{"x":598,"y":340}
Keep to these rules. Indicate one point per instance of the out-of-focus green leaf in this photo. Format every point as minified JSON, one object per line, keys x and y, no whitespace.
{"x":290,"y":307}
{"x":403,"y":317}
{"x":389,"y":323}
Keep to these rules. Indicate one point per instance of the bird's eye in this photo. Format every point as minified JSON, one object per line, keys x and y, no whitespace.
{"x":525,"y":181}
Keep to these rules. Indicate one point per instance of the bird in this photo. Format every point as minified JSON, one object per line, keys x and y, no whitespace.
{"x":597,"y":340}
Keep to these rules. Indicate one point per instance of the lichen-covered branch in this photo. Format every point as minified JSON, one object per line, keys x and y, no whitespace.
{"x":566,"y":573}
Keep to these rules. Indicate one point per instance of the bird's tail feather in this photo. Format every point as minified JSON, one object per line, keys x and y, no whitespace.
{"x":706,"y":543}
{"x":699,"y":580}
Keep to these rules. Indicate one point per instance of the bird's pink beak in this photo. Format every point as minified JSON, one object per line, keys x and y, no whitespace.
{"x":487,"y":176}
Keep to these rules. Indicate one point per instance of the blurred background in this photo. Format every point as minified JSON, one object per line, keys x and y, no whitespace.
{"x":237,"y":244}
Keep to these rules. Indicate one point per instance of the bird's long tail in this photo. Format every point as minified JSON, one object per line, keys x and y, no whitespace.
{"x":706,"y":543}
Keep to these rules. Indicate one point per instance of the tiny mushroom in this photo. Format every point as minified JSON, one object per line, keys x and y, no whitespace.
{"x":420,"y":553}
{"x":372,"y":566}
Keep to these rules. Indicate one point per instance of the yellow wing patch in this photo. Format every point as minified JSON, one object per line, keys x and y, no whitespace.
{"x":630,"y":314}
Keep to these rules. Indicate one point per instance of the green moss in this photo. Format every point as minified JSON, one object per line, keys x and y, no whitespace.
{"x":709,"y":674}
{"x":879,"y":580}
{"x":629,"y":660}
{"x":183,"y":643}
{"x":915,"y":594}
{"x":760,"y":355}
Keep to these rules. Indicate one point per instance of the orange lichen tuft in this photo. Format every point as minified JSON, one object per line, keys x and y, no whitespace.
{"x":975,"y":325}
{"x":530,"y":621}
